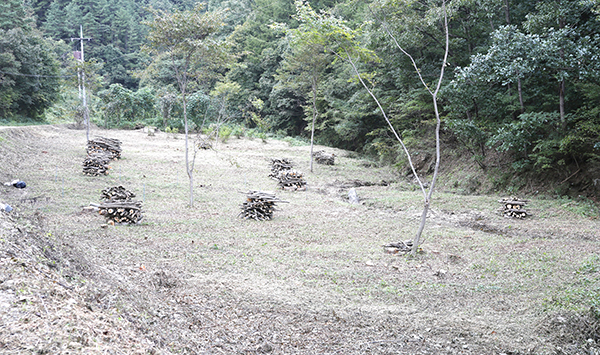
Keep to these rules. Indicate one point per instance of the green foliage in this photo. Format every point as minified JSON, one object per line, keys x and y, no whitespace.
{"x":520,"y":135}
{"x":584,"y":207}
{"x":124,"y":108}
{"x":541,"y":143}
{"x":238,"y":131}
{"x":29,"y":71}
{"x":173,"y":130}
{"x":198,"y":107}
{"x":13,"y":15}
{"x":296,"y":141}
{"x":555,"y":45}
{"x":224,"y":133}
{"x":188,"y":40}
{"x":113,"y":25}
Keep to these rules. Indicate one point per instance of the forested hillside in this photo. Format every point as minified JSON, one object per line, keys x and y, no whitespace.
{"x":520,"y":94}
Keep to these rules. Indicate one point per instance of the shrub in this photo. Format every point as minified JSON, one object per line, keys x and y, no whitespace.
{"x":225,"y":133}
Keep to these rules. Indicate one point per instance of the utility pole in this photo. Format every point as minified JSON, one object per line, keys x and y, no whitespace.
{"x":81,"y":77}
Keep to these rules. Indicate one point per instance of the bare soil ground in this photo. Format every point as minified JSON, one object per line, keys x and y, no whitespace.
{"x":314,"y":280}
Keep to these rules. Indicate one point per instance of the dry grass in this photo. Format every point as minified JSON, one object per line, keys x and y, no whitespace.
{"x":314,"y":280}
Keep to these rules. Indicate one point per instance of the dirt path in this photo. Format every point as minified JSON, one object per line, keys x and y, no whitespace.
{"x":314,"y":280}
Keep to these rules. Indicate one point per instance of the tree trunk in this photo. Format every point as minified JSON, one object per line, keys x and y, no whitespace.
{"x":561,"y":85}
{"x":507,"y":12}
{"x":561,"y":99}
{"x":519,"y":89}
{"x":426,"y":196}
{"x":187,"y":160}
{"x":312,"y":131}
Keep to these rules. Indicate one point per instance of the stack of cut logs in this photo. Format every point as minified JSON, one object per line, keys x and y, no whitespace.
{"x":96,"y":164}
{"x":204,"y":145}
{"x":100,"y":152}
{"x":324,"y":158}
{"x":259,"y":206}
{"x":126,"y":212}
{"x":117,"y":193}
{"x":288,"y":178}
{"x":279,"y":165}
{"x":291,"y":180}
{"x":118,"y":206}
{"x":514,"y":207}
{"x":108,"y":146}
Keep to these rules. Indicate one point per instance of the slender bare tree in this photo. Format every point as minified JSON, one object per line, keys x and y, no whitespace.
{"x":343,"y":42}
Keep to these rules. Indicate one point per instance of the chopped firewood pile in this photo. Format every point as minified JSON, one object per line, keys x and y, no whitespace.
{"x":96,"y":164}
{"x":125,"y":212}
{"x":514,"y":207}
{"x":291,"y":180}
{"x":117,"y":193}
{"x":204,"y":145}
{"x":259,"y":206}
{"x":279,"y":165}
{"x":288,"y":178}
{"x":102,"y":145}
{"x":324,"y":158}
{"x":118,"y":206}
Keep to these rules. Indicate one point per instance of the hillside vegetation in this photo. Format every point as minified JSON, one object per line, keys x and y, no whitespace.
{"x":313,"y":280}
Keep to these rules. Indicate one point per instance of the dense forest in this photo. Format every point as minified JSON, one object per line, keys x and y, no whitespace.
{"x":520,"y":94}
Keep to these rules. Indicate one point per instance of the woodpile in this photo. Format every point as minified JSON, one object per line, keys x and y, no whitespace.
{"x":204,"y":145}
{"x":259,"y":206}
{"x":124,"y":212}
{"x":324,"y":158}
{"x":291,"y":180}
{"x":402,"y":247}
{"x":514,"y":207}
{"x":108,"y":146}
{"x":118,"y":206}
{"x":279,"y":165}
{"x":96,"y":164}
{"x":117,"y":193}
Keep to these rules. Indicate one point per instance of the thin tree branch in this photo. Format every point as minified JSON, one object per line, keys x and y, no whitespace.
{"x":412,"y":167}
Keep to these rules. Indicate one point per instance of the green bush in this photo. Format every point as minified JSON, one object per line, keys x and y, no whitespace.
{"x":238,"y":131}
{"x":296,"y":141}
{"x":225,"y":133}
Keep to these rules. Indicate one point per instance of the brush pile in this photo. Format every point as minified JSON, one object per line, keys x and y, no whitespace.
{"x":279,"y":165}
{"x":324,"y":158}
{"x":117,"y":193}
{"x":514,"y":207}
{"x":107,"y":146}
{"x":291,"y":180}
{"x":125,"y":212}
{"x":259,"y":206}
{"x":96,"y":164}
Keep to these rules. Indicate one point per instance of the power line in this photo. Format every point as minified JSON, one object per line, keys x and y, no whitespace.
{"x":38,"y":75}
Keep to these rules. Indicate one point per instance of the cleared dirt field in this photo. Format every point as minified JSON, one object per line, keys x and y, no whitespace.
{"x":314,"y":280}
